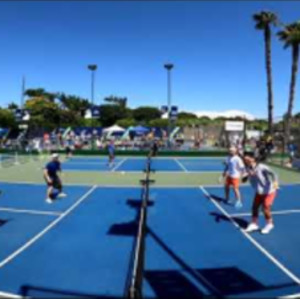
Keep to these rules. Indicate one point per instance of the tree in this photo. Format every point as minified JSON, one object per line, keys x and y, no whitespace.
{"x":146,"y":114}
{"x":43,"y":112}
{"x":34,"y":92}
{"x":40,"y":92}
{"x":263,"y":21}
{"x":110,"y":114}
{"x":185,"y":115}
{"x":116,"y":100}
{"x":73,"y":103}
{"x":126,"y":122}
{"x":258,"y":124}
{"x":7,"y":119}
{"x":12,"y":106}
{"x":159,"y":123}
{"x":204,"y":121}
{"x":290,"y":36}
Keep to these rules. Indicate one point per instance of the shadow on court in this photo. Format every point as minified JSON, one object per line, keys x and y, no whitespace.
{"x":219,"y":282}
{"x":3,"y":221}
{"x":221,"y":217}
{"x":220,"y":200}
{"x":30,"y":291}
{"x":172,"y":284}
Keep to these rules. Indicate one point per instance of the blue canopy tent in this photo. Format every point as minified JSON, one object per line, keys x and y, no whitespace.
{"x":140,"y":130}
{"x":3,"y":132}
{"x":87,"y":130}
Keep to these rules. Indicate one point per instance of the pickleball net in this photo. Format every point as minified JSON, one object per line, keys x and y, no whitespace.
{"x":8,"y":159}
{"x":135,"y":288}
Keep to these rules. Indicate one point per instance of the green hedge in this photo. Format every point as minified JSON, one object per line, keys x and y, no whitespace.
{"x":133,"y":153}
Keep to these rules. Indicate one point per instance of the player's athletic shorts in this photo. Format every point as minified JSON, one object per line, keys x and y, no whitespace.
{"x":56,"y":183}
{"x":154,"y":152}
{"x":265,"y":199}
{"x":235,"y":182}
{"x":68,"y":150}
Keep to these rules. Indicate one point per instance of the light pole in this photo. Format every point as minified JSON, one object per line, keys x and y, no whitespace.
{"x":92,"y":68}
{"x":168,"y":67}
{"x":23,"y":91}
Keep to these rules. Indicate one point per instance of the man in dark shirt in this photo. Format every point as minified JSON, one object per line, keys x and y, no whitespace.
{"x":111,"y":153}
{"x":154,"y":149}
{"x":52,"y":178}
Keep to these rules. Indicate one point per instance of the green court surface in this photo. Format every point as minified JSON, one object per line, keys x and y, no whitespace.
{"x":31,"y":172}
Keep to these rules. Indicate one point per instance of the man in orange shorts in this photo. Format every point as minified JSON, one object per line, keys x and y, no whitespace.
{"x":265,"y":183}
{"x":232,"y":173}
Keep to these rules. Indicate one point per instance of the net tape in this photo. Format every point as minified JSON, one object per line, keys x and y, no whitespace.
{"x":135,"y":288}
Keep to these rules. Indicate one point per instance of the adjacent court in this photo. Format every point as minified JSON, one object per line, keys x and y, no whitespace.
{"x":83,"y":245}
{"x":136,"y":164}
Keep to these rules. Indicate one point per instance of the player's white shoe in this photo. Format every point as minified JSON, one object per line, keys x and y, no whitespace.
{"x":49,"y":200}
{"x":238,"y":204}
{"x":252,"y":227}
{"x":62,"y":195}
{"x":267,"y":228}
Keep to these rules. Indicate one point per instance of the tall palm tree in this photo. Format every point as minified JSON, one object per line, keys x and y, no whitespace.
{"x":290,"y":36}
{"x":263,"y":21}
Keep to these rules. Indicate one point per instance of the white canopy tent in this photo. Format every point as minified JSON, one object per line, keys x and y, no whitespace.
{"x":113,"y":130}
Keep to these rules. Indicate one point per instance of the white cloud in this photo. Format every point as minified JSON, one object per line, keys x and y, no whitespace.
{"x":226,"y":114}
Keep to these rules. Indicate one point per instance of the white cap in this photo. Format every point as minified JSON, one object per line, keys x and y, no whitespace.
{"x":233,"y":149}
{"x":54,"y":156}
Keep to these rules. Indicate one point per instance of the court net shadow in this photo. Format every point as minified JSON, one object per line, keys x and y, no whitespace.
{"x":126,"y":229}
{"x":30,"y":291}
{"x":220,"y":217}
{"x":130,"y":228}
{"x":221,"y":200}
{"x":172,"y":284}
{"x":3,"y":222}
{"x":219,"y":282}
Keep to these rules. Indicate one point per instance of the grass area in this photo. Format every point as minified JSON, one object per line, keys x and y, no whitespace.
{"x":32,"y":172}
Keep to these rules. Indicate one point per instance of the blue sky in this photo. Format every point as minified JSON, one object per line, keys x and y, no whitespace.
{"x":217,"y":53}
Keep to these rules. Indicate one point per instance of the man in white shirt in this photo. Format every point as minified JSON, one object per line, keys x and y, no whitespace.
{"x":232,"y":173}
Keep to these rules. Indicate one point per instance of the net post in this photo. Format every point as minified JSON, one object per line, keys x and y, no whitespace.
{"x":17,"y":162}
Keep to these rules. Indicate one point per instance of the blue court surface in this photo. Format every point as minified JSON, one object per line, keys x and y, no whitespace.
{"x":138,"y":164}
{"x":83,"y":245}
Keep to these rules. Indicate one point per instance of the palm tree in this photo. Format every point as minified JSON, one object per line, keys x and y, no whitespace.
{"x":263,"y":21}
{"x":290,"y":36}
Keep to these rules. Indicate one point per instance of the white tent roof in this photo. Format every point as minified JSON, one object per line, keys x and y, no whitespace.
{"x":114,"y":128}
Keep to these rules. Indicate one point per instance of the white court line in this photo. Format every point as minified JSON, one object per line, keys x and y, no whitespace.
{"x":294,"y":296}
{"x":42,"y":183}
{"x":196,"y":185}
{"x":10,"y":295}
{"x":33,"y":212}
{"x":103,"y":185}
{"x":181,"y":165}
{"x":247,"y":184}
{"x":252,"y":240}
{"x":140,"y":171}
{"x":119,"y":164}
{"x":283,"y":212}
{"x":45,"y":230}
{"x":84,"y":163}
